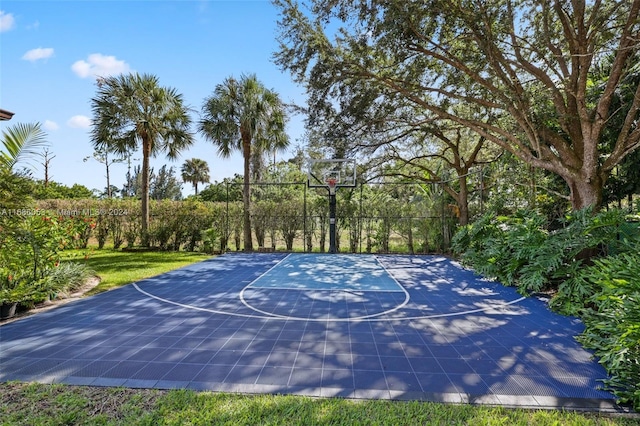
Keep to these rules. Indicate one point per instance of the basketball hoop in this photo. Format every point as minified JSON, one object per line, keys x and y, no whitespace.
{"x":331,"y":183}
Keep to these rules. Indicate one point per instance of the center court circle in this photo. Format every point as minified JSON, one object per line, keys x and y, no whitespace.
{"x":333,"y":288}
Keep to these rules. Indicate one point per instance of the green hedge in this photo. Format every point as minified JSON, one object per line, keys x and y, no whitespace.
{"x":173,"y":225}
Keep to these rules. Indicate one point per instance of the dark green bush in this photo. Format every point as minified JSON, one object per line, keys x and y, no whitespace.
{"x":29,"y":248}
{"x":482,"y":246}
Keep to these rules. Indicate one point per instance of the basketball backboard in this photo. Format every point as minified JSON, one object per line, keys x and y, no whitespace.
{"x":340,"y":171}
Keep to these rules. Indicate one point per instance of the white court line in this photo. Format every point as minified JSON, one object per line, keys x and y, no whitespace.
{"x":272,"y":317}
{"x":197,"y":308}
{"x":367,"y":318}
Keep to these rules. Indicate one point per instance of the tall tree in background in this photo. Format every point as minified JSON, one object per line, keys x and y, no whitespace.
{"x":102,"y":157}
{"x":243,"y":115}
{"x":530,"y":64}
{"x":133,"y":111}
{"x":195,"y":171}
{"x":165,"y":185}
{"x":428,"y":154}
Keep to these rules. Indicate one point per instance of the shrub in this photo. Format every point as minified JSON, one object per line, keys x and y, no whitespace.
{"x":29,"y":248}
{"x":162,"y":224}
{"x":612,"y":320}
{"x":210,"y":239}
{"x":482,"y":246}
{"x":520,"y":251}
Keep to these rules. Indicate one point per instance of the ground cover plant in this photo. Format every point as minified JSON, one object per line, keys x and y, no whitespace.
{"x":38,"y":404}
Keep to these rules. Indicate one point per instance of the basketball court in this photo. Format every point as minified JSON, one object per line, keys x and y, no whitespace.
{"x":354,"y":326}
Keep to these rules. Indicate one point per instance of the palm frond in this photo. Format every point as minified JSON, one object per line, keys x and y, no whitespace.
{"x":20,"y":142}
{"x":243,"y":108}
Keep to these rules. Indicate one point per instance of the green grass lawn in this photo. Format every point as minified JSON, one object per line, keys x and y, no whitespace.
{"x":116,"y":268}
{"x":39,"y":404}
{"x":36,"y":404}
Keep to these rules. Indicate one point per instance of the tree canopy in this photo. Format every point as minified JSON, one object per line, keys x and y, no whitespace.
{"x":523,"y":72}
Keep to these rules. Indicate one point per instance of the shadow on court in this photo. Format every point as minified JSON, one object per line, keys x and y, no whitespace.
{"x":399,"y":327}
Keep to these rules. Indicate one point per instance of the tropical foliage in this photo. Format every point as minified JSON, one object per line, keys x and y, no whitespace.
{"x":612,"y":318}
{"x":20,"y":143}
{"x":30,"y":249}
{"x":523,"y":251}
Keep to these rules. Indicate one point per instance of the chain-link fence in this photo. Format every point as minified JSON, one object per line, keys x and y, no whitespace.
{"x":371,"y":218}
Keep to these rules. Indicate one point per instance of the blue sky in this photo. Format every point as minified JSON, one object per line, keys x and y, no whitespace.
{"x":51,"y":51}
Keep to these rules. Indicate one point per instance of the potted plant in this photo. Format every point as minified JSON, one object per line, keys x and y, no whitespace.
{"x":12,"y":292}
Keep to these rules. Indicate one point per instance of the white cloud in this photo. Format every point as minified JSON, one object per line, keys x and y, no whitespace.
{"x":34,"y":26}
{"x":99,"y":65}
{"x":37,"y":54}
{"x":79,"y":122}
{"x":7,"y":21}
{"x":50,"y":125}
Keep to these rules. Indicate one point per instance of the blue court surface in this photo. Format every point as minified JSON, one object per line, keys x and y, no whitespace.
{"x":355,"y":326}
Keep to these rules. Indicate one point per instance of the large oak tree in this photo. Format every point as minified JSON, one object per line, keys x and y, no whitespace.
{"x":527,"y":64}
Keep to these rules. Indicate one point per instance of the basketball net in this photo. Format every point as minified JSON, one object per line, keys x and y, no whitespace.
{"x":331,"y":183}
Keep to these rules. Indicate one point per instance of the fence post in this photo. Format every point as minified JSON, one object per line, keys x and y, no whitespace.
{"x":228,"y":233}
{"x":304,"y":219}
{"x":360,"y":219}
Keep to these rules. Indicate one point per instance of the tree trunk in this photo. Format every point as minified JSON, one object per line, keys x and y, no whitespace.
{"x":246,"y":193}
{"x":585,"y":192}
{"x":463,"y":201}
{"x":461,"y":198}
{"x":410,"y":238}
{"x":146,"y":153}
{"x":106,"y":165}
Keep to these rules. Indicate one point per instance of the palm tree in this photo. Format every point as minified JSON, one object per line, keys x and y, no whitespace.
{"x":132,"y":110}
{"x":195,"y":171}
{"x":20,"y":142}
{"x":242,"y":115}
